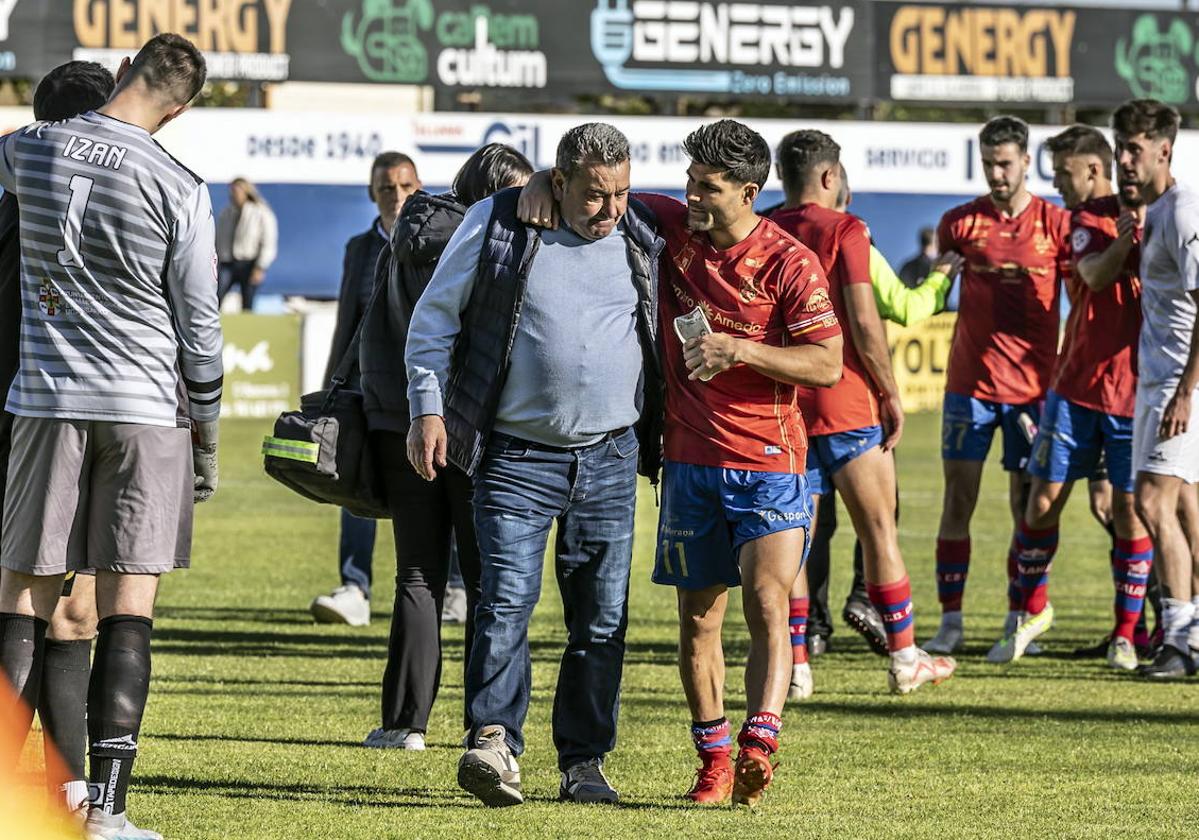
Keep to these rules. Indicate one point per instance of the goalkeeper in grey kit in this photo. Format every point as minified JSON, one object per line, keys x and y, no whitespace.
{"x":117,"y":397}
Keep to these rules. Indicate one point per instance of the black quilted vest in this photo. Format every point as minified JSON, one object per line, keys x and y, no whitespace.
{"x":484,"y":347}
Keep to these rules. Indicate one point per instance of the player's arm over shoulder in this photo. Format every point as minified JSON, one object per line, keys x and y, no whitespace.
{"x":667,"y":210}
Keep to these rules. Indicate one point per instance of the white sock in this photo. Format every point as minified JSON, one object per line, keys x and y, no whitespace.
{"x":1193,"y":635}
{"x":905,"y":656}
{"x":1176,"y":622}
{"x":74,"y":795}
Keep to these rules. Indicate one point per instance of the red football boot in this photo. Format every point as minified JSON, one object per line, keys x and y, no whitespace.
{"x":751,"y":776}
{"x":713,"y":783}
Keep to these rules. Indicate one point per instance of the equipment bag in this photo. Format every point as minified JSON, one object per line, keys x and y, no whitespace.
{"x":322,"y":451}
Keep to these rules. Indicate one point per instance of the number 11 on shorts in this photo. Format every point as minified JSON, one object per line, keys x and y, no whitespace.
{"x":681,"y":551}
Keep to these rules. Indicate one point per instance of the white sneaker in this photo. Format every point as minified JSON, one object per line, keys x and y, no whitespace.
{"x":453,"y":608}
{"x":344,"y":605}
{"x":102,"y":826}
{"x":395,"y":739}
{"x":1122,"y":654}
{"x":489,"y":770}
{"x":950,"y":638}
{"x":909,"y":672}
{"x":1017,"y":641}
{"x":801,"y":682}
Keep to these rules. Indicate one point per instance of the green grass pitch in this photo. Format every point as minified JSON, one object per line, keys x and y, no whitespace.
{"x":256,"y":714}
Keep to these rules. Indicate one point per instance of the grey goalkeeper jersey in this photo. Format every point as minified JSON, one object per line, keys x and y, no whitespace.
{"x":119,"y":314}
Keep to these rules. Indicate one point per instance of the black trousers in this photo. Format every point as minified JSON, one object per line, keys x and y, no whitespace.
{"x":237,"y":273}
{"x":426,"y":516}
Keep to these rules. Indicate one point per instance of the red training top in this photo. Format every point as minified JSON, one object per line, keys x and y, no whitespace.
{"x":767,"y":288}
{"x":1097,"y":368}
{"x":1005,"y":341}
{"x":842,"y":243}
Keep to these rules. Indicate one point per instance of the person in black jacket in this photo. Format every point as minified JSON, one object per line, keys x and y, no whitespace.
{"x":393,"y":180}
{"x":426,"y":516}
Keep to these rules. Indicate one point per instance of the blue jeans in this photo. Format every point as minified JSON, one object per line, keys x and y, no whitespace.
{"x":356,"y":551}
{"x":521,"y":490}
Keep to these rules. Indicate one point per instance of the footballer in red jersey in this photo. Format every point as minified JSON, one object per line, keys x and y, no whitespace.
{"x":735,"y":504}
{"x":855,"y":424}
{"x":1017,"y":251}
{"x":1089,"y":409}
{"x":746,"y":317}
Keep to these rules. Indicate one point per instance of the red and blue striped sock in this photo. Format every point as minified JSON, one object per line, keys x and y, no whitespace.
{"x":1131,"y":562}
{"x":799,"y":630}
{"x":894,"y":603}
{"x":713,"y":740}
{"x":762,"y":731}
{"x":1034,"y":550}
{"x":953,"y":564}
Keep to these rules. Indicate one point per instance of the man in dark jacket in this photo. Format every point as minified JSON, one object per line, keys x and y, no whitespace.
{"x":530,"y":357}
{"x":393,"y":179}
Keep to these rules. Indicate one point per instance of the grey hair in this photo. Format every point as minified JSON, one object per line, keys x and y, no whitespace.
{"x":591,"y":143}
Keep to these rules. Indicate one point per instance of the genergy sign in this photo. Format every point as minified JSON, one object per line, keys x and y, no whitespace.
{"x":978,"y":53}
{"x":232,"y":33}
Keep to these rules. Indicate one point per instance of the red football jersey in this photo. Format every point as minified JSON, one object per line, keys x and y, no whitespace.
{"x":842,"y":243}
{"x":1005,"y":341}
{"x":767,"y":288}
{"x":1098,"y":363}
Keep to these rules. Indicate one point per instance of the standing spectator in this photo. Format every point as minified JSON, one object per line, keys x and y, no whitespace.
{"x":247,"y":239}
{"x":502,"y":385}
{"x":393,"y":179}
{"x":913,"y":272}
{"x":427,"y":517}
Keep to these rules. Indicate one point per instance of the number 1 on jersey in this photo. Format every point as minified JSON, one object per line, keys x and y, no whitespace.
{"x":72,"y":229}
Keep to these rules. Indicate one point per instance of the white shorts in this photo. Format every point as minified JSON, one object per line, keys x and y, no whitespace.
{"x":1177,"y":456}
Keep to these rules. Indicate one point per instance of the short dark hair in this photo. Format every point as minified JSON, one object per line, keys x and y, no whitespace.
{"x":171,"y":65}
{"x":1082,"y":140}
{"x":390,"y":160}
{"x":732,"y":148}
{"x":800,"y":152}
{"x":489,"y":170}
{"x":1004,"y":129}
{"x":71,"y":89}
{"x":591,"y":143}
{"x":1150,"y":117}
{"x":927,"y":235}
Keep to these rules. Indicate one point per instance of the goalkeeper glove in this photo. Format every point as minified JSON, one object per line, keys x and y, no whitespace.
{"x":204,"y":441}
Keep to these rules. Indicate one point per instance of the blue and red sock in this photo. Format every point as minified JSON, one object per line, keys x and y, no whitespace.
{"x":1034,"y":550}
{"x":894,"y":603}
{"x":953,"y":564}
{"x":713,"y":740}
{"x":799,"y":630}
{"x":1131,"y":562}
{"x":761,"y":731}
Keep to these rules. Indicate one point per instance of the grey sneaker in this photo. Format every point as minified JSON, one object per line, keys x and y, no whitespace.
{"x":453,"y":608}
{"x":102,"y":826}
{"x":586,"y":782}
{"x":489,"y":770}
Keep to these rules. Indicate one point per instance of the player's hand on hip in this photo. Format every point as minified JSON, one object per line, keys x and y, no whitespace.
{"x":1176,"y":417}
{"x":709,"y":354}
{"x":891,"y":413}
{"x":427,"y":445}
{"x":949,"y":264}
{"x":257,"y":276}
{"x":536,"y":205}
{"x":204,"y":463}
